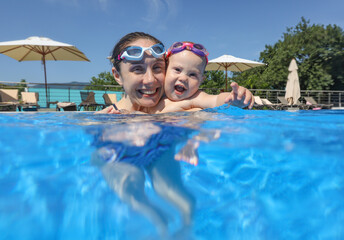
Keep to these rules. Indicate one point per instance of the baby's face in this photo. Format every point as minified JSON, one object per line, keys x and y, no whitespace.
{"x":184,"y":75}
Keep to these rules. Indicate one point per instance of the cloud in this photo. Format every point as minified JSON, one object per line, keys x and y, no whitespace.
{"x":103,"y":4}
{"x":154,"y":9}
{"x":171,"y":8}
{"x":160,"y":10}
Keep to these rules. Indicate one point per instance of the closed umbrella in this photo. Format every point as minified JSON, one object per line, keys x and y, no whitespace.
{"x":41,"y":49}
{"x":293,"y":93}
{"x":231,"y":63}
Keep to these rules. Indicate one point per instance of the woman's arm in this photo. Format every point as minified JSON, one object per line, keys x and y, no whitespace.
{"x":112,"y":110}
{"x":108,"y":110}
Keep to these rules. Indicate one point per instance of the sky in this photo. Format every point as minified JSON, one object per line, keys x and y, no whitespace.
{"x":238,"y":28}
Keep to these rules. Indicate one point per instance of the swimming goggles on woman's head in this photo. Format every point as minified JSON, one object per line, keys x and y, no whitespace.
{"x":135,"y":53}
{"x":193,"y":47}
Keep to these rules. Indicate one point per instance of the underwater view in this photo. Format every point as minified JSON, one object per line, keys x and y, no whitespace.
{"x":222,"y":173}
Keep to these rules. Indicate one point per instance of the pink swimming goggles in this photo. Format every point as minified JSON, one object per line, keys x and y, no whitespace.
{"x":193,"y":47}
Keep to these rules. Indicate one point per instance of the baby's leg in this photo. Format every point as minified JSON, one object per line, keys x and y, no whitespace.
{"x":128,"y":182}
{"x":166,"y":180}
{"x":188,"y":153}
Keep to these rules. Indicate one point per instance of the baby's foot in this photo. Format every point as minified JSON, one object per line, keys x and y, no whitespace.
{"x":188,"y":153}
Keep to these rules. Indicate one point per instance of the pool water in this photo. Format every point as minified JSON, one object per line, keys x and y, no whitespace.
{"x":260,"y":175}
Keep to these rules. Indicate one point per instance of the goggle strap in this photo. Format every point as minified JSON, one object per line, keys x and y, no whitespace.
{"x":187,"y":47}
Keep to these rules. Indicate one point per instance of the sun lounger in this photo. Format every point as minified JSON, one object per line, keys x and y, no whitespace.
{"x":65,"y":106}
{"x":29,"y":101}
{"x":110,"y":98}
{"x":9,"y":99}
{"x":264,"y":103}
{"x":298,"y":105}
{"x":258,"y":104}
{"x":89,"y":102}
{"x":275,"y":106}
{"x":313,"y":104}
{"x":284,"y":101}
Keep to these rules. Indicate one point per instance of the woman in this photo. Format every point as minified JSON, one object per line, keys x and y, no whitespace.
{"x":139,"y":67}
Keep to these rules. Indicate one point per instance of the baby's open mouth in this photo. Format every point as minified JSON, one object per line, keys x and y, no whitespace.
{"x":179,"y":88}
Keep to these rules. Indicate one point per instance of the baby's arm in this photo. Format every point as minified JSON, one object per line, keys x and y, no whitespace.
{"x":200,"y":100}
{"x":166,"y":105}
{"x":239,"y":97}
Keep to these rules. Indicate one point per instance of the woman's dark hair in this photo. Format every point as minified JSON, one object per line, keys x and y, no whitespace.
{"x":125,"y":41}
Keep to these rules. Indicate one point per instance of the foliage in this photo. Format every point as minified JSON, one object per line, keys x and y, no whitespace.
{"x":22,"y":86}
{"x":251,"y":79}
{"x":104,"y":78}
{"x":318,"y":51}
{"x":213,"y":82}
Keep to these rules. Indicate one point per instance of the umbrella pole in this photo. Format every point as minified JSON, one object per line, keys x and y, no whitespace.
{"x":46,"y":85}
{"x":226,"y":80}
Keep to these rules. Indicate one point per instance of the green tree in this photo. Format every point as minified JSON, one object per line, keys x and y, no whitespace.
{"x":251,"y":79}
{"x":22,"y":86}
{"x":318,"y":51}
{"x":213,"y":82}
{"x":104,"y":78}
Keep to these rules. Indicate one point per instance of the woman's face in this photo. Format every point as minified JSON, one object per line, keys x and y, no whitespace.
{"x":143,"y":80}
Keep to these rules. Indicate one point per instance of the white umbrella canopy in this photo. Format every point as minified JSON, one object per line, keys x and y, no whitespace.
{"x":231,"y":63}
{"x":41,"y":49}
{"x":293,"y":92}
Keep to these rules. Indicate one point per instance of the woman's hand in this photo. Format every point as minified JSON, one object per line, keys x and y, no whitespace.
{"x":240,"y":96}
{"x":109,"y":110}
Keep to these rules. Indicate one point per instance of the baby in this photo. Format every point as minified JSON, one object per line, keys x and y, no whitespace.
{"x":184,"y":75}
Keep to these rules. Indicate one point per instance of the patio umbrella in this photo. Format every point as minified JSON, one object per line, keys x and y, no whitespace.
{"x":292,"y":93}
{"x":41,"y":49}
{"x":231,"y":63}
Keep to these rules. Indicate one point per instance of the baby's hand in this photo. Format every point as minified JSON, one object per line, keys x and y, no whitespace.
{"x":240,"y":97}
{"x":109,"y":110}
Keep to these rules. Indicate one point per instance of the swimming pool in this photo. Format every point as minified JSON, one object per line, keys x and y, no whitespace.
{"x":260,"y":175}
